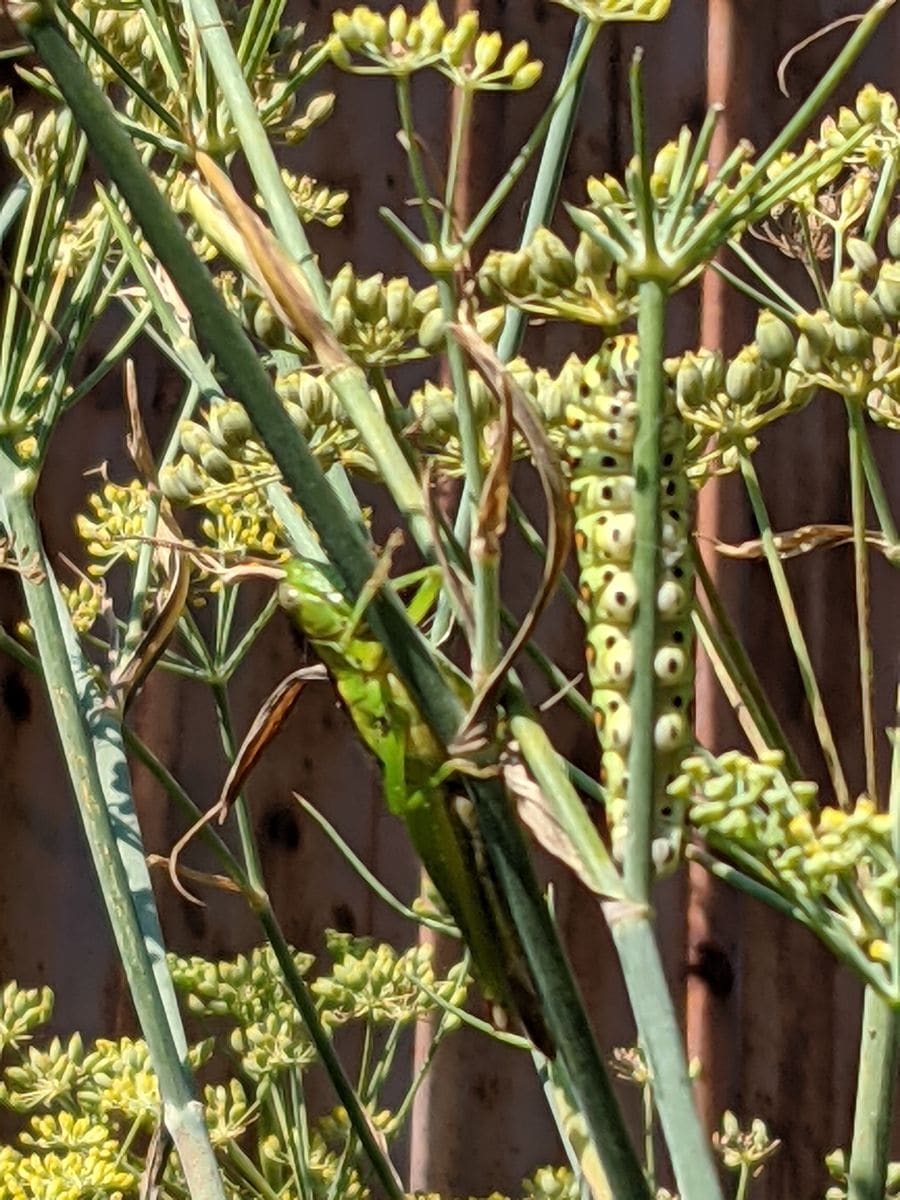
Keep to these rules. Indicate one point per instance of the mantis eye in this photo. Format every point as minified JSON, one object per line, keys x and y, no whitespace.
{"x":288,"y":595}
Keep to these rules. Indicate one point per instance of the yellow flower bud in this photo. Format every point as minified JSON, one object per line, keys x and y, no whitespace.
{"x":458,"y":40}
{"x":432,"y":330}
{"x":862,"y":256}
{"x":527,"y":76}
{"x":398,"y":302}
{"x":887,"y":289}
{"x":742,"y":376}
{"x":398,"y":23}
{"x":774,"y":339}
{"x":879,"y":951}
{"x":487,"y":51}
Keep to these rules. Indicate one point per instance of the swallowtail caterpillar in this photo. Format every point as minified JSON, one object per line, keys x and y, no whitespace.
{"x":601,"y":424}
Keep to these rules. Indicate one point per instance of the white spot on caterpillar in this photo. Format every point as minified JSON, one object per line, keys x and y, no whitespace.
{"x":670,"y":599}
{"x":669,"y":731}
{"x":619,"y":598}
{"x":670,"y":664}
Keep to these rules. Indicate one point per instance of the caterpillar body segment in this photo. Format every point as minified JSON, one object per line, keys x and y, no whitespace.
{"x":602,"y":421}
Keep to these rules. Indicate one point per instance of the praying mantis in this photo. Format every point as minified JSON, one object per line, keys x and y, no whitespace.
{"x":417,"y":778}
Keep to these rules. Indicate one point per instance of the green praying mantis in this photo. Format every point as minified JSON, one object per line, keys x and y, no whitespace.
{"x":418,"y":778}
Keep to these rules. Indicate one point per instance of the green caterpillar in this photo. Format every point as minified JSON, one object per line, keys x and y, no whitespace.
{"x":601,"y":425}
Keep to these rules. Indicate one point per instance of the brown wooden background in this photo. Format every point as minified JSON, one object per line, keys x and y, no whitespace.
{"x":780,"y":1042}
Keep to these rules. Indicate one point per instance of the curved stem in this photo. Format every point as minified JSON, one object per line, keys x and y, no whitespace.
{"x":583,"y":40}
{"x":862,"y":590}
{"x":795,"y":633}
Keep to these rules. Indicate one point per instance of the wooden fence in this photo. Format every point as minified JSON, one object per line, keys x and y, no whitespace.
{"x":773,"y":1019}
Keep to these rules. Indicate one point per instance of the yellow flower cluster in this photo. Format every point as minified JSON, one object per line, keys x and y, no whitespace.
{"x":399,"y":44}
{"x":836,"y":865}
{"x":375,"y":982}
{"x":602,"y":12}
{"x":120,"y":514}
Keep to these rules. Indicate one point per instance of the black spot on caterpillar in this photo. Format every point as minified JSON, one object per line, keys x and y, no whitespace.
{"x":601,"y":422}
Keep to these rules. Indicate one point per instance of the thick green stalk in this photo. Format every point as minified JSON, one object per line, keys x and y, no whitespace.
{"x":795,"y":633}
{"x":652,"y":298}
{"x":82,"y":728}
{"x":875,"y":1084}
{"x":560,"y":1001}
{"x":660,"y":1035}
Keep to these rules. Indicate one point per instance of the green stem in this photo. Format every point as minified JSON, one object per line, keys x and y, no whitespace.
{"x":545,"y":193}
{"x":326,"y":1052}
{"x":743,"y":1187}
{"x":561,"y":1004}
{"x":876,"y":1079}
{"x":414,"y":158}
{"x":652,"y":299}
{"x":661,"y":1038}
{"x":565,"y":807}
{"x":371,"y":880}
{"x":461,"y":118}
{"x":561,"y":116}
{"x":256,"y":146}
{"x":350,"y":385}
{"x":644,"y":209}
{"x":880,"y":501}
{"x":647,"y":1120}
{"x":485,"y":568}
{"x":728,"y":643}
{"x":249,"y":849}
{"x":878,"y":1051}
{"x":582,"y":42}
{"x":92,"y":751}
{"x":861,"y":586}
{"x":795,"y":633}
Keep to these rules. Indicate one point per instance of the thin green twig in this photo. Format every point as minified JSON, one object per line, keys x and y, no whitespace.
{"x":795,"y":632}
